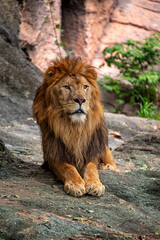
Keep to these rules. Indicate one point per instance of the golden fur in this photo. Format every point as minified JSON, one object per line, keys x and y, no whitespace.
{"x":74,"y":136}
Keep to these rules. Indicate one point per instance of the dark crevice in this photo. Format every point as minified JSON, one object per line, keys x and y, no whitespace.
{"x":73,"y":19}
{"x":21,"y":3}
{"x":113,"y":7}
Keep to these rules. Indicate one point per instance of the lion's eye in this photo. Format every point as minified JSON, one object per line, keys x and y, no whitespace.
{"x":67,"y":87}
{"x":86,"y":86}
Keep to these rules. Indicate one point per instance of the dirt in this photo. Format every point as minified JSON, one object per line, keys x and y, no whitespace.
{"x":35,"y":206}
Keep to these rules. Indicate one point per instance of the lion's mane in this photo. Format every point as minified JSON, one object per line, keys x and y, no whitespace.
{"x":62,"y":140}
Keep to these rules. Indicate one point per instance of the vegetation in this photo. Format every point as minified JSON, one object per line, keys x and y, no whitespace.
{"x":148,"y":109}
{"x":56,"y":27}
{"x":158,"y":231}
{"x":136,"y":62}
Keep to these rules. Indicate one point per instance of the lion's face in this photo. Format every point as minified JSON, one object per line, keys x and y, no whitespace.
{"x":69,"y":94}
{"x":73,"y":95}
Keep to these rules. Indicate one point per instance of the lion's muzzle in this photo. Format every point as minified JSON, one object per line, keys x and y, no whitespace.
{"x":79,"y":100}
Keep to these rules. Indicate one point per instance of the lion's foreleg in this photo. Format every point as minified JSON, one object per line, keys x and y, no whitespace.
{"x":107,"y":161}
{"x":73,"y":183}
{"x":92,"y":183}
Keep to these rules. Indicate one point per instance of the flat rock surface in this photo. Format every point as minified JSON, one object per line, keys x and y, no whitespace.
{"x":35,"y":206}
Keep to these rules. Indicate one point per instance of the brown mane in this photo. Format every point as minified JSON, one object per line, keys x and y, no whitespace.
{"x":75,"y":144}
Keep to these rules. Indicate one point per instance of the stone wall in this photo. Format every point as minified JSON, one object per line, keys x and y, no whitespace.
{"x":36,"y":31}
{"x":19,"y":78}
{"x":89,"y":26}
{"x":130,"y":19}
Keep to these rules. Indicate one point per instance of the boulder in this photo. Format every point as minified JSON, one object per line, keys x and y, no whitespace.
{"x":19,"y":78}
{"x":128,"y":127}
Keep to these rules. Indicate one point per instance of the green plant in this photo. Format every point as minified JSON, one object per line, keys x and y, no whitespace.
{"x":158,"y":231}
{"x":56,"y":27}
{"x":112,"y":85}
{"x":136,"y":61}
{"x":148,"y":109}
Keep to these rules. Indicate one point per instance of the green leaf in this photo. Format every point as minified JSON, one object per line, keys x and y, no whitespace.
{"x":158,"y":231}
{"x":109,"y":226}
{"x":62,"y":43}
{"x":105,"y":51}
{"x":56,"y":42}
{"x":136,"y":61}
{"x":69,"y":52}
{"x":144,"y":167}
{"x":58,"y":25}
{"x":121,"y":101}
{"x":46,"y":19}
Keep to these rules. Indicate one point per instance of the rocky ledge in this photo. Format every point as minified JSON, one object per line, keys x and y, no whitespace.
{"x":35,"y":206}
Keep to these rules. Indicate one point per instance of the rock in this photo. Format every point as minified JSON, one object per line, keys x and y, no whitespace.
{"x":128,"y":127}
{"x":108,"y":99}
{"x":146,"y":16}
{"x":18,"y":77}
{"x":37,"y":35}
{"x":5,"y":155}
{"x":89,"y":27}
{"x":35,"y":206}
{"x":129,"y":109}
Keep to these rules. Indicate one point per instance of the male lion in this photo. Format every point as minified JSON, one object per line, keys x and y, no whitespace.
{"x":74,"y":135}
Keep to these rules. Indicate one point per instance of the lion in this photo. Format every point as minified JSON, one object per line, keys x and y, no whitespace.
{"x":68,"y":110}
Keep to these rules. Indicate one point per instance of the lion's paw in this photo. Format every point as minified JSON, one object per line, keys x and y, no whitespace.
{"x":95,"y":188}
{"x":75,"y":189}
{"x":109,"y":167}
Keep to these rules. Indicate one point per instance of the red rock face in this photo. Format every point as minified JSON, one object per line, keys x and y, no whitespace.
{"x":88,"y":22}
{"x":37,"y":33}
{"x":89,"y":26}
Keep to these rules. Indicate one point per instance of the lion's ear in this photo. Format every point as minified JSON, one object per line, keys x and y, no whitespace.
{"x":91,"y":73}
{"x":49,"y":75}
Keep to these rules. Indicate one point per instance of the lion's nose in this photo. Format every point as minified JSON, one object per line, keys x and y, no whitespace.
{"x":79,"y":100}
